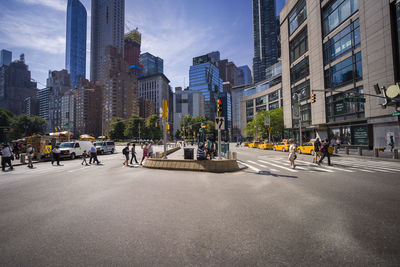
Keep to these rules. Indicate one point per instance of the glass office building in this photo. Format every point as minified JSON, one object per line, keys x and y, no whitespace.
{"x":204,"y":77}
{"x":151,"y":64}
{"x":75,"y":54}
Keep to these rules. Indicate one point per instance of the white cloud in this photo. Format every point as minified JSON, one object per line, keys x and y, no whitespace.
{"x":30,"y":31}
{"x":60,"y":5}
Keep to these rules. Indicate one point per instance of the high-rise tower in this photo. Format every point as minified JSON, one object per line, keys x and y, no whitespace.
{"x":108,"y":20}
{"x":132,"y":41}
{"x":75,"y":54}
{"x":265,"y":33}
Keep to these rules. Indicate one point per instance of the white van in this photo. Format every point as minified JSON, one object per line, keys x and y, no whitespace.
{"x":105,"y":147}
{"x":74,"y":149}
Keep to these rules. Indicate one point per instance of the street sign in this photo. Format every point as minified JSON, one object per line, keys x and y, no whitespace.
{"x":219,"y":123}
{"x":396,"y":113}
{"x":354,"y":99}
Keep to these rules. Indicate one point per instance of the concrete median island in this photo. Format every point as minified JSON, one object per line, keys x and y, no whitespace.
{"x":216,"y":166}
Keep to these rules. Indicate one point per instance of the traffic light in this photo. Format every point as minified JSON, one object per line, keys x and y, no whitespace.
{"x":167,"y":126}
{"x":312,"y":98}
{"x":219,"y":107}
{"x":165,"y":109}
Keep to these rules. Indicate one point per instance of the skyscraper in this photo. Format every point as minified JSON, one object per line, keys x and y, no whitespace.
{"x":108,"y":20}
{"x":5,"y":57}
{"x":247,"y":79}
{"x":265,"y":34}
{"x":151,"y":64}
{"x":132,"y":44}
{"x":75,"y":54}
{"x":204,"y":76}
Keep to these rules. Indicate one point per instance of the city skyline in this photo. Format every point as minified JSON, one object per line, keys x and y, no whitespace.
{"x":163,"y":24}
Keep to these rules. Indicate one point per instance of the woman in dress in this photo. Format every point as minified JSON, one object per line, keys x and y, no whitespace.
{"x":292,"y":153}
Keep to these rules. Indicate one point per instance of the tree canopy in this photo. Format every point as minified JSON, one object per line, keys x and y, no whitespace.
{"x":257,"y":128}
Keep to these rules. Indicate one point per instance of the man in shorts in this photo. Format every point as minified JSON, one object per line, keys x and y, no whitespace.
{"x":126,"y":151}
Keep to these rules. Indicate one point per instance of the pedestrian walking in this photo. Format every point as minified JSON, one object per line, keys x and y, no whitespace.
{"x":93,"y":155}
{"x":16,"y":151}
{"x":145,"y":151}
{"x":391,"y":143}
{"x":30,"y":151}
{"x":133,"y":154}
{"x":6,"y":157}
{"x":84,"y":156}
{"x":125,"y":151}
{"x":325,"y":153}
{"x":201,"y":155}
{"x":150,"y":149}
{"x":56,"y":153}
{"x":292,"y":153}
{"x":338,"y":144}
{"x":317,"y":152}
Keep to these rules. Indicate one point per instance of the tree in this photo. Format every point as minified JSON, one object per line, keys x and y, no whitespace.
{"x":153,"y":127}
{"x":132,"y":127}
{"x":5,"y":122}
{"x":185,"y":126}
{"x":117,"y":129}
{"x":257,"y":128}
{"x":24,"y":125}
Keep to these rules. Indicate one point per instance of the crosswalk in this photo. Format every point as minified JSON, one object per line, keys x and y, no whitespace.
{"x":341,"y":165}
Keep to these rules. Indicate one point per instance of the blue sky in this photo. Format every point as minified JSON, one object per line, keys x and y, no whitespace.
{"x":175,"y":30}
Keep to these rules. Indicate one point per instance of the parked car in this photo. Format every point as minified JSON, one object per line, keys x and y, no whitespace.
{"x":105,"y":147}
{"x":308,"y":148}
{"x":266,"y":145}
{"x":254,"y":144}
{"x":74,"y":149}
{"x":282,"y":146}
{"x":246,"y":143}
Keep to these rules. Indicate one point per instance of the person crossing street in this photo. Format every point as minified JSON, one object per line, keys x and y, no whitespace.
{"x":56,"y":153}
{"x":6,"y":157}
{"x":325,"y":153}
{"x":30,"y":151}
{"x":93,"y":155}
{"x":133,"y":154}
{"x":292,"y":153}
{"x":125,"y":151}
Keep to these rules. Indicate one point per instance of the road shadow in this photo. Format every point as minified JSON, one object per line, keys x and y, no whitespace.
{"x":276,"y":175}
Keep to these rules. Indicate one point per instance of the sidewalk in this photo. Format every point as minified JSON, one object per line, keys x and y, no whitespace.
{"x":367,"y":154}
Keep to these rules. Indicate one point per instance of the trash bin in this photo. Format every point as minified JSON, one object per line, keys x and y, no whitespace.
{"x":188,"y":153}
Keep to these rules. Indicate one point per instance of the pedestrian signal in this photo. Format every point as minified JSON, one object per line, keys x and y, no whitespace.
{"x":312,"y":98}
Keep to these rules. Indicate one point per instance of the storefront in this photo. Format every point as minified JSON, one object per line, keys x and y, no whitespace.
{"x":352,"y":134}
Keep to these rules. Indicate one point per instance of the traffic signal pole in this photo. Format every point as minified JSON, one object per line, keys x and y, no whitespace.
{"x":165,"y":138}
{"x":219,"y":112}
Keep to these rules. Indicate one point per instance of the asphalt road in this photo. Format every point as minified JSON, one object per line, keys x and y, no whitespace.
{"x":266,"y":215}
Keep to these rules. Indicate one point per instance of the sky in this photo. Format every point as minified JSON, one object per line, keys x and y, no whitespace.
{"x":175,"y":30}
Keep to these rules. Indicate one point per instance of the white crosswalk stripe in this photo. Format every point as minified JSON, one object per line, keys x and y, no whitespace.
{"x":310,"y":168}
{"x":263,"y":166}
{"x":278,"y":166}
{"x":249,"y":166}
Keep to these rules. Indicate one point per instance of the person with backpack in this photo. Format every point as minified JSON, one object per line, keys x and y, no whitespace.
{"x":125,"y":152}
{"x":133,"y":154}
{"x":325,"y":153}
{"x":30,"y":151}
{"x":6,"y":157}
{"x":317,"y":153}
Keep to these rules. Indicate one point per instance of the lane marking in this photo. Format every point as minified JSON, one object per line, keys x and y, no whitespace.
{"x":291,"y":170}
{"x":249,"y":166}
{"x":258,"y":164}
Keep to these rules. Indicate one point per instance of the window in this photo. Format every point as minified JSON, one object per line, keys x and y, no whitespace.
{"x":261,"y":108}
{"x":298,"y":46}
{"x":249,"y":112}
{"x":273,"y":96}
{"x":297,"y":16}
{"x":338,"y":110}
{"x":299,"y":71}
{"x":344,"y":72}
{"x":337,"y":12}
{"x":77,"y":145}
{"x":274,"y":105}
{"x":303,"y":90}
{"x":343,"y":42}
{"x":305,"y":115}
{"x":261,"y":100}
{"x":249,"y":103}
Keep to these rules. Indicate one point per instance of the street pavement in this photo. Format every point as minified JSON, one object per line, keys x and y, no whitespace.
{"x":265,"y":215}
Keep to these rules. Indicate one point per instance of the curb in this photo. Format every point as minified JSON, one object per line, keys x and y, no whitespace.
{"x":366,"y":157}
{"x":213,"y":166}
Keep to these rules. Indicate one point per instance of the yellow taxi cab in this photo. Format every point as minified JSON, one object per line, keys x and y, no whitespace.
{"x":266,"y":145}
{"x":246,"y":143}
{"x":282,"y":146}
{"x":308,"y":148}
{"x":254,"y":144}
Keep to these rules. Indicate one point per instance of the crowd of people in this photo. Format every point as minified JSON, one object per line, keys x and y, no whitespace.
{"x":321,"y":151}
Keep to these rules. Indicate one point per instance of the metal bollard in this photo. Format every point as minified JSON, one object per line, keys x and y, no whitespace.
{"x":376,"y":152}
{"x":360,"y":151}
{"x":234,"y":155}
{"x":396,"y":154}
{"x":346,"y":150}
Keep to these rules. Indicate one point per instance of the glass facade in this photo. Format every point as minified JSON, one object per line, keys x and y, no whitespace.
{"x":226,"y":109}
{"x":345,"y":72}
{"x":305,"y":114}
{"x":265,"y":34}
{"x":151,"y":64}
{"x":205,"y":78}
{"x":343,"y":42}
{"x":336,"y":13}
{"x":299,"y":71}
{"x":299,"y":45}
{"x":339,"y":110}
{"x":297,"y":16}
{"x":75,"y":54}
